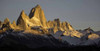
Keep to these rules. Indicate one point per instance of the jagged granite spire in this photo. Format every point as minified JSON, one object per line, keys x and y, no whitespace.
{"x":22,"y":20}
{"x":14,"y":23}
{"x":37,"y":18}
{"x":38,"y":13}
{"x":6,"y":20}
{"x":32,"y":12}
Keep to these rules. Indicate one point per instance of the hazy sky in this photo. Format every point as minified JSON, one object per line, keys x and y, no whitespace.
{"x":79,"y":13}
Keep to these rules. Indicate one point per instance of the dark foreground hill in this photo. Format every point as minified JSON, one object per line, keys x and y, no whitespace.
{"x":18,"y":41}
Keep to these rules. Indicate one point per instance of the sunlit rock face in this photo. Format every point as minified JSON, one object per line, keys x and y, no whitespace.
{"x":57,"y":25}
{"x":6,"y":25}
{"x":6,"y":21}
{"x":38,"y":16}
{"x":93,"y":36}
{"x":22,"y":20}
{"x":36,"y":19}
{"x":14,"y":24}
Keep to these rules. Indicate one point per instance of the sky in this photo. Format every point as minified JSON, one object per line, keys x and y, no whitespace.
{"x":80,"y":14}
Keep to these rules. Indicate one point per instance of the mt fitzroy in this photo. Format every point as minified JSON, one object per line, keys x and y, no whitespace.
{"x":36,"y":23}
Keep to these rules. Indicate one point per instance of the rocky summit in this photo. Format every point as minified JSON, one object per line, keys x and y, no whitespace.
{"x":36,"y":23}
{"x":33,"y":31}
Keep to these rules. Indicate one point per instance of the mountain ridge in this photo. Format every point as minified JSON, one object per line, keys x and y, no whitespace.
{"x":34,"y":31}
{"x":36,"y":22}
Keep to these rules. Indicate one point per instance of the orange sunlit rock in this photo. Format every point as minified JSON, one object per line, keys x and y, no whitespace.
{"x":93,"y":36}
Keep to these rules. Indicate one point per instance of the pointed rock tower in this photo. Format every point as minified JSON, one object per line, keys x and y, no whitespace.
{"x":36,"y":22}
{"x":64,"y":26}
{"x":22,"y":20}
{"x":6,"y":25}
{"x":37,"y":14}
{"x":14,"y":23}
{"x":6,"y":21}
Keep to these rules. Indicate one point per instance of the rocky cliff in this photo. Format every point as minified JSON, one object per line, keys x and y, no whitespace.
{"x":36,"y":22}
{"x":38,"y":16}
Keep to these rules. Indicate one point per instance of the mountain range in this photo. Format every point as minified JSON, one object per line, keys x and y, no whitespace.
{"x":39,"y":32}
{"x":37,"y":23}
